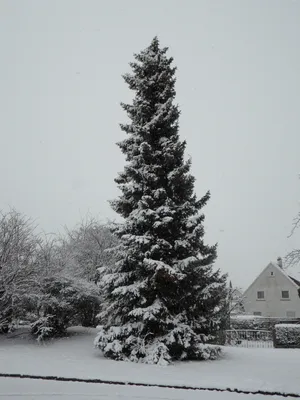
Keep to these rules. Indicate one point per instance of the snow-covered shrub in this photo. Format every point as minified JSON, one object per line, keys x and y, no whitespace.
{"x":85,"y":300}
{"x":287,"y":335}
{"x":64,"y":301}
{"x":126,"y":343}
{"x":255,"y":322}
{"x":5,"y":324}
{"x":248,"y":322}
{"x":68,"y":269}
{"x":43,"y":328}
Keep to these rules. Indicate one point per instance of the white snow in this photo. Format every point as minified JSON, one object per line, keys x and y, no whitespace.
{"x":148,"y":313}
{"x":74,"y":356}
{"x":186,"y":261}
{"x":134,"y":289}
{"x":14,"y":389}
{"x":248,"y":317}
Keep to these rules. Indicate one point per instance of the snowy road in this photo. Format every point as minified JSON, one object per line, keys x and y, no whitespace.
{"x":16,"y":389}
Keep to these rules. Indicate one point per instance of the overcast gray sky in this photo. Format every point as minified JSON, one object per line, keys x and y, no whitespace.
{"x":238,"y":88}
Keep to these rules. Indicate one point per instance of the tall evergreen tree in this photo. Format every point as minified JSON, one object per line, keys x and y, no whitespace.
{"x":163,"y":296}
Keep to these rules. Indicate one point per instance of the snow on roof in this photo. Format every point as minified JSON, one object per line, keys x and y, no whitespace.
{"x":286,"y":273}
{"x":275,"y":265}
{"x":295,"y":280}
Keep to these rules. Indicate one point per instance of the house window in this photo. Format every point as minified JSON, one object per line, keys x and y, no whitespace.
{"x":272,"y":273}
{"x":291,"y":314}
{"x":285,"y":294}
{"x":256,"y":313}
{"x":260,"y":295}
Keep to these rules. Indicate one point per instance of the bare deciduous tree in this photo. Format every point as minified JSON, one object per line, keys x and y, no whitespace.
{"x":85,"y":249}
{"x":18,"y":245}
{"x":293,"y":257}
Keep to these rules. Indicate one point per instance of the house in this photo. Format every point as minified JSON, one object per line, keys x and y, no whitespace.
{"x":273,"y":294}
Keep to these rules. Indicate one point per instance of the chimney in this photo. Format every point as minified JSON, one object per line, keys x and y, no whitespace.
{"x":279,"y":262}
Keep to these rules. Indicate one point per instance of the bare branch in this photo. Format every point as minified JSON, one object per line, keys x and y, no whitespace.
{"x":292,"y":258}
{"x":295,"y":225}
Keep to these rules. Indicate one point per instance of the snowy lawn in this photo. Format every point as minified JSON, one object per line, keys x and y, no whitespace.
{"x":14,"y":389}
{"x":74,"y":356}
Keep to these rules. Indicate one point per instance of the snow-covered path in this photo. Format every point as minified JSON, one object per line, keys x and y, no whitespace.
{"x":74,"y":356}
{"x":15,"y":389}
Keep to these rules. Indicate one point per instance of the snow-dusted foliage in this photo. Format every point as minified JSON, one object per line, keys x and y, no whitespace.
{"x":62,"y":301}
{"x":43,"y":328}
{"x":257,"y":322}
{"x":287,"y":335}
{"x":251,"y":322}
{"x":67,"y":267}
{"x":162,"y":298}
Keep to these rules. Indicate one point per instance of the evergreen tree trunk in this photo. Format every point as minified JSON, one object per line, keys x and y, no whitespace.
{"x":162,"y":298}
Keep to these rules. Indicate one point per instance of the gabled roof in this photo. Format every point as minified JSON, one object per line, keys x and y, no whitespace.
{"x":294,"y":281}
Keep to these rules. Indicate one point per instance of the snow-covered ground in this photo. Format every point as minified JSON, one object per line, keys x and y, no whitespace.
{"x":14,"y":389}
{"x":74,"y":356}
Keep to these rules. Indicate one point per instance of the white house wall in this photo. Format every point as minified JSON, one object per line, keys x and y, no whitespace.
{"x":272,"y":305}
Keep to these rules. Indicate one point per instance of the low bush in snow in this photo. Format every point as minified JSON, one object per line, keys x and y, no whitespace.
{"x":44,"y":328}
{"x":287,"y":336}
{"x":6,"y":325}
{"x":254,"y":322}
{"x":64,"y":301}
{"x":179,"y":344}
{"x":248,"y":322}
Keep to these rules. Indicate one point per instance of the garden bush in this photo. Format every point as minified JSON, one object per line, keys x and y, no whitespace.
{"x":255,"y":322}
{"x":287,"y":336}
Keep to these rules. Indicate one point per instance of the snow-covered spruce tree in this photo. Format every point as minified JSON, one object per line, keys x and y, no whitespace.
{"x":162,"y":298}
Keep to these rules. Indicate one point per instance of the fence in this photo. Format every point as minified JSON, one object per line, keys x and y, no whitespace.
{"x":249,"y":338}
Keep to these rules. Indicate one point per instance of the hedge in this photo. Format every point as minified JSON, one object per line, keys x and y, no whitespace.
{"x":255,"y":322}
{"x":287,"y":336}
